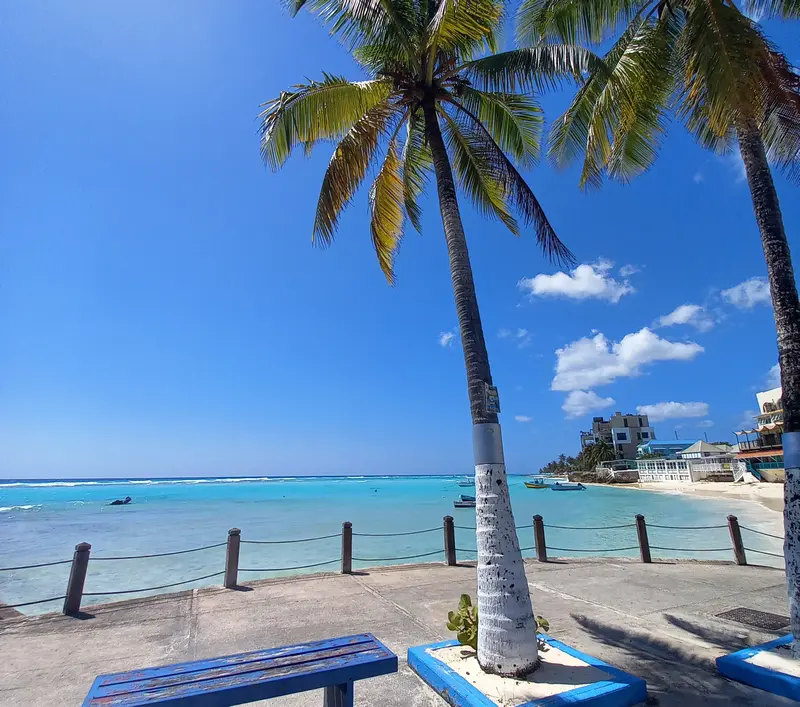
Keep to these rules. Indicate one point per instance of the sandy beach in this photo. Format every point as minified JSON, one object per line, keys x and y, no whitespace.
{"x":769,"y":496}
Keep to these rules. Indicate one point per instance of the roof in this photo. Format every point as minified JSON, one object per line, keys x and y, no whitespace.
{"x":668,"y":442}
{"x":702,"y":446}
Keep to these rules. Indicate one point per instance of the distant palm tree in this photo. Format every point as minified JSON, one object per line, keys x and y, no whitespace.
{"x":598,"y":453}
{"x":433,"y":106}
{"x":713,"y":66}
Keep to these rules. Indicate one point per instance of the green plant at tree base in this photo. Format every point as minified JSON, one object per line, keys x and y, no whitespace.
{"x":464,"y":621}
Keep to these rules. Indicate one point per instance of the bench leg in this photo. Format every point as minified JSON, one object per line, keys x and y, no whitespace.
{"x":339,"y":695}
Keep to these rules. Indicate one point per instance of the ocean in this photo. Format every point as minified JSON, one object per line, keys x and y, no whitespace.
{"x":42,"y":521}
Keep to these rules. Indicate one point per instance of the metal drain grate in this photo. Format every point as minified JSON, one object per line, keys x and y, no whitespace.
{"x":756,"y":619}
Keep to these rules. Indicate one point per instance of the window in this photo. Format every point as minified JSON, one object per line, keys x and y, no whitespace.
{"x":625,"y":422}
{"x":638,"y":435}
{"x":622,"y":436}
{"x":641,"y":424}
{"x":645,"y":435}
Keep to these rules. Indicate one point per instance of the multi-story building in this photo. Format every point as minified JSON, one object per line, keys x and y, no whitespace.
{"x":763,"y":454}
{"x":624,"y":432}
{"x":699,"y":461}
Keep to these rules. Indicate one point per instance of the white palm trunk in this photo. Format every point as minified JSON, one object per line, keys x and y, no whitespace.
{"x":791,"y":523}
{"x":506,"y":625}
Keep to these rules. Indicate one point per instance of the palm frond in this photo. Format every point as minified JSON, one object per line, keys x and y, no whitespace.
{"x":476,"y":173}
{"x":574,"y":21}
{"x":514,"y":120}
{"x":417,"y":163}
{"x":539,"y":68}
{"x":348,"y":166}
{"x":787,"y":9}
{"x":516,"y":189}
{"x":386,"y":207}
{"x":319,"y":110}
{"x":616,"y":120}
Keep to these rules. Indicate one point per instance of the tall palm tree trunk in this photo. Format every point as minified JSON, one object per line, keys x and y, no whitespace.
{"x":787,"y":320}
{"x":506,"y":627}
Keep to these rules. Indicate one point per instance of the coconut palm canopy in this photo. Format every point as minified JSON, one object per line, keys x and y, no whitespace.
{"x":702,"y":60}
{"x":413,"y":51}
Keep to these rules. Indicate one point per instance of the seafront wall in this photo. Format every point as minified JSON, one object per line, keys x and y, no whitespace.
{"x":633,"y":536}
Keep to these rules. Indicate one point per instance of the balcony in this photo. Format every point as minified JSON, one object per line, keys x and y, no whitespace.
{"x":771,"y":442}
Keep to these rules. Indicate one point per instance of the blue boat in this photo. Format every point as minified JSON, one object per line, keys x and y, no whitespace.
{"x":467,"y":482}
{"x":567,"y":487}
{"x":464,"y":497}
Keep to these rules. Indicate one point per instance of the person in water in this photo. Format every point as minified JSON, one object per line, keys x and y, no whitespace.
{"x":121,"y":503}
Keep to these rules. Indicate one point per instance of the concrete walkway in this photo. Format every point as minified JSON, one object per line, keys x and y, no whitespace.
{"x":656,"y":621}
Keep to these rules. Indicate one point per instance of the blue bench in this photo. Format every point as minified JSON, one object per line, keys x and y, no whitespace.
{"x":236,"y":679}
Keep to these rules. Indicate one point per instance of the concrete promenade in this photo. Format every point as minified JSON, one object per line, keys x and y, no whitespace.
{"x":656,"y":621}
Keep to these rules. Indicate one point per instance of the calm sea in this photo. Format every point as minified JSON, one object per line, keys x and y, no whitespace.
{"x":42,"y":520}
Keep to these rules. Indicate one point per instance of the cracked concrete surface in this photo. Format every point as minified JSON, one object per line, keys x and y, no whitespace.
{"x":656,"y":621}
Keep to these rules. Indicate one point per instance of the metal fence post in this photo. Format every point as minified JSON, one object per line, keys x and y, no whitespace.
{"x":736,"y":539}
{"x":538,"y":539}
{"x":347,"y":547}
{"x":232,"y":558}
{"x":77,"y":578}
{"x":644,"y":543}
{"x":449,"y":541}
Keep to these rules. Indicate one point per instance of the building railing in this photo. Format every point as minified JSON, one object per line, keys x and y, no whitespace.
{"x":627,"y":537}
{"x":756,"y":444}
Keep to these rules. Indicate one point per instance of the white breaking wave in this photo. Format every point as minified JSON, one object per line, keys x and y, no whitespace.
{"x":4,"y":509}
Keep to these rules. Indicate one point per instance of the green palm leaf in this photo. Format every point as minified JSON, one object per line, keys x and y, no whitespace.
{"x":348,"y":166}
{"x":477,"y":176}
{"x":417,"y":163}
{"x":787,"y":9}
{"x":320,"y":110}
{"x":386,"y":203}
{"x":515,"y":121}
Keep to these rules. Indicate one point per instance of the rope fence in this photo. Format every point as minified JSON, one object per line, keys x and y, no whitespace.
{"x":80,"y":562}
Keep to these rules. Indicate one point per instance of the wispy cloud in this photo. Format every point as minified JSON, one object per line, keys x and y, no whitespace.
{"x":735,"y":164}
{"x":590,"y":362}
{"x":690,"y":314}
{"x":523,"y":418}
{"x":522,"y":337}
{"x":774,"y":376}
{"x":748,"y":420}
{"x":446,"y":338}
{"x":698,"y":177}
{"x":581,"y":402}
{"x":705,"y":423}
{"x":672,"y":411}
{"x":748,"y":294}
{"x":629,"y":269}
{"x":588,"y":281}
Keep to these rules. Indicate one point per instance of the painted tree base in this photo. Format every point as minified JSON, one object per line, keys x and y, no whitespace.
{"x":768,"y":667}
{"x":565,"y":677}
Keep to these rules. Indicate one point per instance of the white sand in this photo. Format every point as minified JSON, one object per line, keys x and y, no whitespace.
{"x":558,"y":672}
{"x":778,"y":659}
{"x":768,"y":495}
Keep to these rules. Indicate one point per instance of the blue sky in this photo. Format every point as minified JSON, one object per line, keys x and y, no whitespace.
{"x":162,"y":311}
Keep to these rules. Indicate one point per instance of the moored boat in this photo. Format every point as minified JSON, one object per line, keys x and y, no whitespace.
{"x":463,"y":504}
{"x":535,"y":485}
{"x":464,"y":497}
{"x":567,"y":487}
{"x":466,"y":482}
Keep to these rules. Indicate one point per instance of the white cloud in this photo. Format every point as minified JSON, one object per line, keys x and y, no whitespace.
{"x":522,"y":337}
{"x":446,"y":338}
{"x":748,"y":294}
{"x":705,"y":423}
{"x":736,"y":165}
{"x":629,"y":269}
{"x":587,"y":363}
{"x":698,"y":177}
{"x":691,"y":314}
{"x":523,"y":418}
{"x":774,"y":376}
{"x":580,"y":402}
{"x":672,"y":411}
{"x":748,"y":420}
{"x":584,"y":282}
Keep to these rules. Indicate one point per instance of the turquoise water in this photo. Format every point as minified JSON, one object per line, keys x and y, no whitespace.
{"x":43,"y":521}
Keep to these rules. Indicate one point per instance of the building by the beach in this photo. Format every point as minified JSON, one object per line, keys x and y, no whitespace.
{"x":667,"y":448}
{"x":761,"y":448}
{"x":697,"y":462}
{"x":624,"y":432}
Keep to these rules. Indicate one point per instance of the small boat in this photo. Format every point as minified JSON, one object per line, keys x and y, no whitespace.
{"x":463,"y":504}
{"x":466,"y":482}
{"x":535,"y":485}
{"x":567,"y":487}
{"x":467,"y":498}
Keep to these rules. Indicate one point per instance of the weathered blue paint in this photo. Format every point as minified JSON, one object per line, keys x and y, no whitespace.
{"x":621,"y":690}
{"x":736,"y":667}
{"x":247,"y":677}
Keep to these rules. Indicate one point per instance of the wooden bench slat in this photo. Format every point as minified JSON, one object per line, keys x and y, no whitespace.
{"x":300,"y":662}
{"x":247,"y":677}
{"x":236,"y":659}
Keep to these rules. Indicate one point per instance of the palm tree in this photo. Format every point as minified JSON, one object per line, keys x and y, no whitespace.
{"x":709,"y":64}
{"x":430,"y":104}
{"x":598,"y":453}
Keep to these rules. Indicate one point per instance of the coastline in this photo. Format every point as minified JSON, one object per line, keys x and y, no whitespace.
{"x":769,"y":496}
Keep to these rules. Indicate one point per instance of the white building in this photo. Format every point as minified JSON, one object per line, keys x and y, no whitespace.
{"x":700,"y":461}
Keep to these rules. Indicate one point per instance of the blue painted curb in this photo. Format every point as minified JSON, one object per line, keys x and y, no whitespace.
{"x":735,"y":667}
{"x":622,"y":690}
